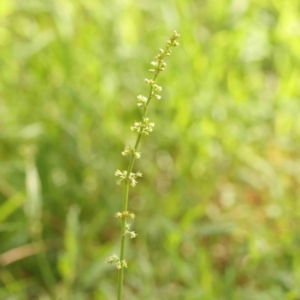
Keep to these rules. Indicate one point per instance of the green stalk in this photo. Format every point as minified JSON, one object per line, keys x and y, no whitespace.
{"x":123,"y":220}
{"x":153,"y":91}
{"x":122,"y":252}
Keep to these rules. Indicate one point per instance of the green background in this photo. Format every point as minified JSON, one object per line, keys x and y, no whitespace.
{"x":217,"y":210}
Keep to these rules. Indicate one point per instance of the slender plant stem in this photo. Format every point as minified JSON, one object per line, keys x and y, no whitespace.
{"x":125,"y":199}
{"x":153,"y":91}
{"x":122,"y":253}
{"x":123,"y":221}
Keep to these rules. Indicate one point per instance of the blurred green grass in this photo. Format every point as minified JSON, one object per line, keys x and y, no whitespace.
{"x":218,"y":207}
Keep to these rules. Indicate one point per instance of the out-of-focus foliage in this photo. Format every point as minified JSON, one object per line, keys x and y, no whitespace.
{"x":218,"y":208}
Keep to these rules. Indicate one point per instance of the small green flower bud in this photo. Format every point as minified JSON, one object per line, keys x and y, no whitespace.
{"x":118,"y":265}
{"x":157,"y":88}
{"x":118,"y":215}
{"x":127,"y":226}
{"x":113,"y":259}
{"x":125,"y":214}
{"x":176,"y":35}
{"x":132,"y":234}
{"x":126,"y":151}
{"x":121,"y":176}
{"x":149,"y":81}
{"x":124,"y":264}
{"x":133,"y":176}
{"x":138,"y":174}
{"x":142,"y":100}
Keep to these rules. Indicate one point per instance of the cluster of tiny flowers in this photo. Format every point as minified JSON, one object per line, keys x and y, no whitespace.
{"x":122,"y":175}
{"x":115,"y":260}
{"x":155,"y":92}
{"x":131,"y":233}
{"x":142,"y":101}
{"x":144,"y":127}
{"x":159,"y":64}
{"x":132,"y":178}
{"x":155,"y":89}
{"x":172,"y":41}
{"x":128,"y":150}
{"x":125,"y":214}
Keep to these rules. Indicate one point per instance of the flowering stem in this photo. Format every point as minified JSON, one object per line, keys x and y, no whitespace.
{"x":132,"y":159}
{"x":149,"y":97}
{"x":129,"y":178}
{"x":123,"y":224}
{"x":122,"y":252}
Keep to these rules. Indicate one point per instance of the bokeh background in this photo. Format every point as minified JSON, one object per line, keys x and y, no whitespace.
{"x":217,"y":210}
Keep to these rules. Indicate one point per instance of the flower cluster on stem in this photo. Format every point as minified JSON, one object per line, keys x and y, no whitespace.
{"x":128,"y":150}
{"x":125,"y":214}
{"x":122,"y":175}
{"x":115,"y":260}
{"x":143,"y":127}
